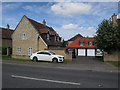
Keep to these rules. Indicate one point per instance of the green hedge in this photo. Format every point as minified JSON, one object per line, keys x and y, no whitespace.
{"x":4,"y":50}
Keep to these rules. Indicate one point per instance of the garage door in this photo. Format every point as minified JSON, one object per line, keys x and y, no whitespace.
{"x":90,"y":52}
{"x":81,"y":52}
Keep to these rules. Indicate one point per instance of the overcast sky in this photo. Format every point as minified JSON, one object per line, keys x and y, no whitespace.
{"x":68,"y":19}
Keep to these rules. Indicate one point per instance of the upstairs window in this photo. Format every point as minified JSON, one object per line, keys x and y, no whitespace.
{"x":24,"y":36}
{"x":90,"y":43}
{"x":82,"y":43}
{"x":18,"y":49}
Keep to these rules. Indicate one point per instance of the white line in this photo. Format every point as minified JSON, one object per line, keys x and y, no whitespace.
{"x":45,"y":80}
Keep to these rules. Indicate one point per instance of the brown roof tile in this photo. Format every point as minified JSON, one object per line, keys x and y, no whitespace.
{"x":44,"y":29}
{"x":75,"y":37}
{"x":6,"y":34}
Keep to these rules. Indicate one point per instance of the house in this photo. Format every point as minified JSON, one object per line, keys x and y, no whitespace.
{"x":6,"y":36}
{"x":31,"y":36}
{"x":6,"y":40}
{"x":83,"y":46}
{"x":69,"y":41}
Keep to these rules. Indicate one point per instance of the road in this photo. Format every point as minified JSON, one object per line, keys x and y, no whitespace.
{"x":25,"y":76}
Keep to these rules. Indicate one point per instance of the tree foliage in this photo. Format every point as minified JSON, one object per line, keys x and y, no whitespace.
{"x":108,"y":36}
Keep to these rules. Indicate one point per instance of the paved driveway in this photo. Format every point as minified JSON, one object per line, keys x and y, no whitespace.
{"x":91,"y":64}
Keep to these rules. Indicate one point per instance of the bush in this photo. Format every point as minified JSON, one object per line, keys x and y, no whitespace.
{"x":4,"y":50}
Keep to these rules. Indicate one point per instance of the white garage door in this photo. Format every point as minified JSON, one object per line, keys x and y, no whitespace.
{"x":90,"y":52}
{"x":81,"y":52}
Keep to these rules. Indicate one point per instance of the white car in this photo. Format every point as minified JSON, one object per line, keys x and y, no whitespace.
{"x":46,"y":56}
{"x":99,"y":52}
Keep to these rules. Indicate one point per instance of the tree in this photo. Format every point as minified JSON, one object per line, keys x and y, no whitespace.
{"x":108,"y":36}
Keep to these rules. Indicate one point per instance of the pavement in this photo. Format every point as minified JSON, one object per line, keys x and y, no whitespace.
{"x":79,"y":63}
{"x":33,"y":75}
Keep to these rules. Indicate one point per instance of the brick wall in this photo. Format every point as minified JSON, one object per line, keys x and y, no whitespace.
{"x":67,"y":56}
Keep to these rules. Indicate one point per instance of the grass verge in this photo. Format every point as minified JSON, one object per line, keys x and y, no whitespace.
{"x":115,"y":63}
{"x":28,"y":60}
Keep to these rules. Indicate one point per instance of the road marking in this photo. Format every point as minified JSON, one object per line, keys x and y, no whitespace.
{"x":23,"y":77}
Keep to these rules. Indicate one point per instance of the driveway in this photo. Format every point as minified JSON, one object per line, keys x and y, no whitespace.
{"x":91,"y":64}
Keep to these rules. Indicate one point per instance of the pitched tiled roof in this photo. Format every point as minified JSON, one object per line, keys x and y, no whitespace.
{"x":75,"y":37}
{"x":75,"y":43}
{"x":52,"y":33}
{"x":44,"y":29}
{"x":6,"y":34}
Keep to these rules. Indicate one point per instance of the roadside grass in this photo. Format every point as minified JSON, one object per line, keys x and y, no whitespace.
{"x":28,"y":60}
{"x":115,"y":63}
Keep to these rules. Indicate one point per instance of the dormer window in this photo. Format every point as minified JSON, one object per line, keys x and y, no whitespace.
{"x":48,"y":36}
{"x":90,"y":43}
{"x":82,"y":43}
{"x":55,"y":37}
{"x":24,"y":36}
{"x":58,"y":39}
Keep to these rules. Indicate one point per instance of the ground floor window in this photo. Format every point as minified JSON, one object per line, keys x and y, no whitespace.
{"x":29,"y":51}
{"x":18,"y":49}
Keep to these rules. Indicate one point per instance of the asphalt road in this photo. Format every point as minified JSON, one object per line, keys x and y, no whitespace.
{"x":25,"y":76}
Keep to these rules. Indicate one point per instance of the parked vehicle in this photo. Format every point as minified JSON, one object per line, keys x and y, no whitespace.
{"x":99,"y":52}
{"x":46,"y":56}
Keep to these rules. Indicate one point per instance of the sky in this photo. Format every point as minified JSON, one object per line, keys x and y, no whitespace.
{"x":67,"y":19}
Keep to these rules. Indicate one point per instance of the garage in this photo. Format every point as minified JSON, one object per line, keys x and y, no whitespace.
{"x":90,"y":52}
{"x":81,"y":52}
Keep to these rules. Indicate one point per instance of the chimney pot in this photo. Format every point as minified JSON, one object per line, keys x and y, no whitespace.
{"x":44,"y":22}
{"x":8,"y":26}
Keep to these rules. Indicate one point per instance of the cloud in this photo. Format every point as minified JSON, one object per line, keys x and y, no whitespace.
{"x":70,"y":30}
{"x":71,"y":8}
{"x":69,"y":26}
{"x":11,"y":21}
{"x":36,"y":8}
{"x":11,"y":5}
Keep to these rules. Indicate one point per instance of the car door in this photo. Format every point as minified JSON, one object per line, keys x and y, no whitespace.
{"x":40,"y":55}
{"x":47,"y":56}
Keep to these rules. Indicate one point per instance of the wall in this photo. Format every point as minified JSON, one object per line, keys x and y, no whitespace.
{"x":112,"y":57}
{"x":32,"y":39}
{"x":67,"y":56}
{"x":69,"y":42}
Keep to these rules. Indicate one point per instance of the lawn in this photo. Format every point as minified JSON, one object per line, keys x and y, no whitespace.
{"x":28,"y":60}
{"x":117,"y":63}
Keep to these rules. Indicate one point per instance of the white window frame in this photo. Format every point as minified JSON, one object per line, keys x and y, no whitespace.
{"x":18,"y":49}
{"x":81,"y":43}
{"x":30,"y":51}
{"x":24,"y":36}
{"x":90,"y":43}
{"x":55,"y":37}
{"x":48,"y":36}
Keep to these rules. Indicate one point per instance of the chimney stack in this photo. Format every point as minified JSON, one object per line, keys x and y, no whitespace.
{"x":44,"y":22}
{"x":8,"y":26}
{"x":114,"y":19}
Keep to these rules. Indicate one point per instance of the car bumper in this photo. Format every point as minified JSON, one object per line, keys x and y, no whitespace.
{"x":61,"y":60}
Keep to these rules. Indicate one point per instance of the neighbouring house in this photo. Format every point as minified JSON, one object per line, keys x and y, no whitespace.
{"x":69,"y":41}
{"x":83,"y":46}
{"x":31,"y":36}
{"x":7,"y":39}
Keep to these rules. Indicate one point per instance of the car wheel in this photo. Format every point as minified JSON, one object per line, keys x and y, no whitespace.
{"x":55,"y":60}
{"x":35,"y":59}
